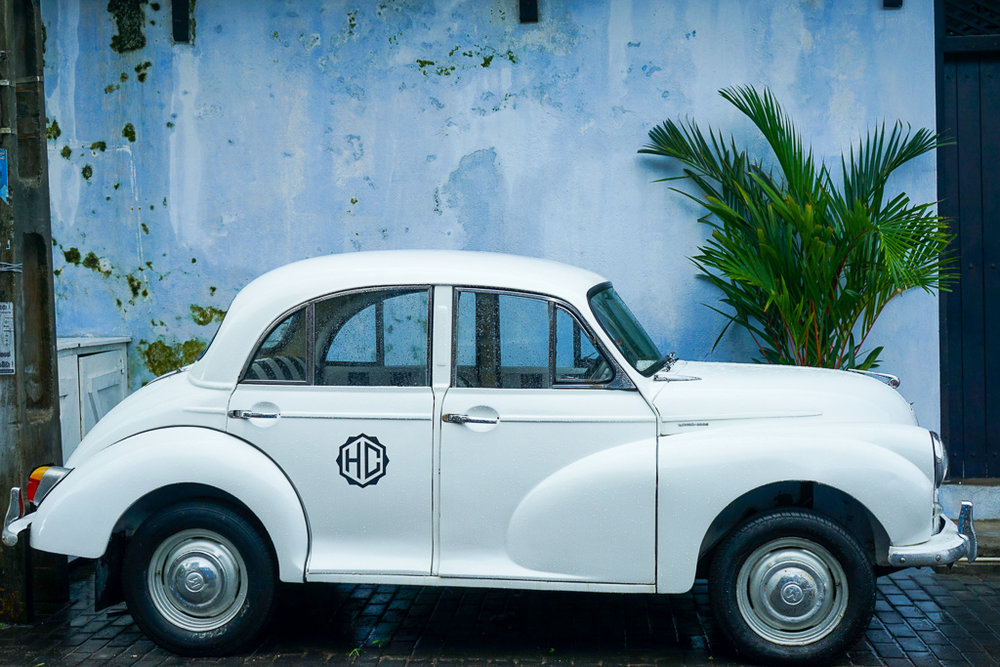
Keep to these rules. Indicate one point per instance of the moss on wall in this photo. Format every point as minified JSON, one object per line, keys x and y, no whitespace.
{"x":203,"y":316}
{"x":130,"y":20}
{"x":160,"y":357}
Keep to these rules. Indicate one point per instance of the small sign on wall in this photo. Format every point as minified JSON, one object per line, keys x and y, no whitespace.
{"x":4,"y":190}
{"x":6,"y":338}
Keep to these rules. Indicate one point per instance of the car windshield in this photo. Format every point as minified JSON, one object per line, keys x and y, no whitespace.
{"x":626,"y":332}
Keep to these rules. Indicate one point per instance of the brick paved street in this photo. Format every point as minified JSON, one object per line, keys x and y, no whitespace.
{"x":922,"y":618}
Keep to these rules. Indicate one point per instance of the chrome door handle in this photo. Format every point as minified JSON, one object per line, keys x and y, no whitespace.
{"x":248,"y":414}
{"x":466,"y":419}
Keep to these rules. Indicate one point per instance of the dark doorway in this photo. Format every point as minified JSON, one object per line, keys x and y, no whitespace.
{"x":969,"y":190}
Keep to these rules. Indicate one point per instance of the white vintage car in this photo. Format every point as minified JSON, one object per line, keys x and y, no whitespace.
{"x":472,"y":419}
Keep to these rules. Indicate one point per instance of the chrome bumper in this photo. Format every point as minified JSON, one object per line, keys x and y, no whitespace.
{"x":948,"y":546}
{"x":15,"y":510}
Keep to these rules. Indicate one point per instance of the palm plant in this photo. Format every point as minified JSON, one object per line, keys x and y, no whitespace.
{"x":806,"y":264}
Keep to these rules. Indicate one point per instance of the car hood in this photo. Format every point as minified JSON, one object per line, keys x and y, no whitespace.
{"x":702,"y":395}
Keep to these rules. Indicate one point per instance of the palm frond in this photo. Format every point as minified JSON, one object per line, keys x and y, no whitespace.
{"x":803,"y":264}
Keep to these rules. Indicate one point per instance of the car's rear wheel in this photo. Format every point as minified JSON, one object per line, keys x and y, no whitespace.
{"x":199,"y":579}
{"x":790,"y":587}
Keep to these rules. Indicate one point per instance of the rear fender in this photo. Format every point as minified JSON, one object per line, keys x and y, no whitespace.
{"x":80,"y":513}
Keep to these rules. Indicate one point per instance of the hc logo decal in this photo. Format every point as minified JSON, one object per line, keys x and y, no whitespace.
{"x":362,"y":460}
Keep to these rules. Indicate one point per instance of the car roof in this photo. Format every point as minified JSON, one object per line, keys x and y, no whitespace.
{"x":266,"y":298}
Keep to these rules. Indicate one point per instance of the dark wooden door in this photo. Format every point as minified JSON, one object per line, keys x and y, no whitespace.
{"x":969,"y":188}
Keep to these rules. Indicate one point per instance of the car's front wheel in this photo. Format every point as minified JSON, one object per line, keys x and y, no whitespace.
{"x":199,"y":579}
{"x":791,"y":587}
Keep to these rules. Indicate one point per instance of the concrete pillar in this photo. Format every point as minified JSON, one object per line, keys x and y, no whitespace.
{"x":30,"y":582}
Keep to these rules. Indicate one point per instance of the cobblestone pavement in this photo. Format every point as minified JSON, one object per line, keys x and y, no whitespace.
{"x":922,"y":618}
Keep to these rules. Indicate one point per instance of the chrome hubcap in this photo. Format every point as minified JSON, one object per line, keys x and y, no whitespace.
{"x":792,"y":591}
{"x":197,"y":580}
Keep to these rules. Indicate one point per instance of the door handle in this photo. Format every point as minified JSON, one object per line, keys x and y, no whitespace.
{"x":248,"y":414}
{"x":466,"y":419}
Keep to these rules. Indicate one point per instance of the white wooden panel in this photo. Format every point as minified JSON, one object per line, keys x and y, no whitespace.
{"x":69,"y":404}
{"x":102,"y":385}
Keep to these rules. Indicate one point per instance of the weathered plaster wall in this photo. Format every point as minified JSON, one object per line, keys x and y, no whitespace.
{"x":291,"y":129}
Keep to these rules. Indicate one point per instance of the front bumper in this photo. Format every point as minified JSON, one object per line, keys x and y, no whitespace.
{"x":951,"y":544}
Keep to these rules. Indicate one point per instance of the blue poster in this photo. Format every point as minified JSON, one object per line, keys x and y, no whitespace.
{"x":4,"y":191}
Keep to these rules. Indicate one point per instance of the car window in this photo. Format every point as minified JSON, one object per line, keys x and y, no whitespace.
{"x":577,"y":359}
{"x":505,"y":341}
{"x":373,"y":338}
{"x":281,"y":357}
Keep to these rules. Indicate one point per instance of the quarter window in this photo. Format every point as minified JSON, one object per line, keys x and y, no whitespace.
{"x":281,"y":358}
{"x":577,"y":359}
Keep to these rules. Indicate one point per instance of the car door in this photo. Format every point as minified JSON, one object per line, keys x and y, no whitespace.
{"x":338,"y":395}
{"x":548,"y":453}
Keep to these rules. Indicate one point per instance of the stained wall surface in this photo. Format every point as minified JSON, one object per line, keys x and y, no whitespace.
{"x":293,"y":129}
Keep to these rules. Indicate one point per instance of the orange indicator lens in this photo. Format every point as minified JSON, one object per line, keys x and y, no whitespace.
{"x":33,"y":480}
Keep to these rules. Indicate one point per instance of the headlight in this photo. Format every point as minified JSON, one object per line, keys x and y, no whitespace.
{"x":940,"y":459}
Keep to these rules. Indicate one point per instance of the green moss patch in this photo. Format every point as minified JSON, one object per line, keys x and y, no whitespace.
{"x":129,"y":19}
{"x":160,"y":357}
{"x":204,"y":316}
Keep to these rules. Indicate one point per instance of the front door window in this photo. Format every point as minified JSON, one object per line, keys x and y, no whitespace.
{"x":506,"y":341}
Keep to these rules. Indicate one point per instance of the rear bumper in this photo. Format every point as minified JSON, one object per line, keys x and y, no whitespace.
{"x":14,"y":521}
{"x":951,"y":544}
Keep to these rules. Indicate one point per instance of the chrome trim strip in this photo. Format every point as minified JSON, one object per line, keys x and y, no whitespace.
{"x":885,"y":378}
{"x":661,"y":376}
{"x":739,"y":415}
{"x":52,"y":476}
{"x":14,"y":510}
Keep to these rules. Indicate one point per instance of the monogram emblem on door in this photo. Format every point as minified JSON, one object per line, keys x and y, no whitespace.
{"x":362,"y":460}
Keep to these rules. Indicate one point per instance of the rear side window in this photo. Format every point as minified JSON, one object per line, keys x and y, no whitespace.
{"x":369,"y":338}
{"x":376,"y":338}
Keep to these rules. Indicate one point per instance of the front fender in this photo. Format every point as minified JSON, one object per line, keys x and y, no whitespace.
{"x":78,"y":515}
{"x":701,"y":474}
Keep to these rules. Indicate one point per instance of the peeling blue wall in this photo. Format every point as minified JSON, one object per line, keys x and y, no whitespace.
{"x":292,"y":129}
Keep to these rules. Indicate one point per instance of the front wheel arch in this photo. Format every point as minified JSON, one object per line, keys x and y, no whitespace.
{"x":819,"y":498}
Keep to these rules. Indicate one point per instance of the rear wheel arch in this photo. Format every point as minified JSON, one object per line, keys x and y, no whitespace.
{"x":107,"y":582}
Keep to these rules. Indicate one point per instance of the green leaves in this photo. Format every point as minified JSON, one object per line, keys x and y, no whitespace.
{"x":805,"y":264}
